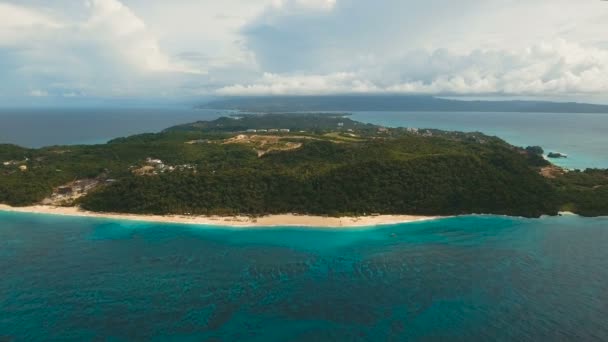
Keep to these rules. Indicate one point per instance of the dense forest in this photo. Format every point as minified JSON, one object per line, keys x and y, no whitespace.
{"x":323,"y":164}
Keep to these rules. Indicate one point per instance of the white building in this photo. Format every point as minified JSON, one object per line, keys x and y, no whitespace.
{"x":154,"y":161}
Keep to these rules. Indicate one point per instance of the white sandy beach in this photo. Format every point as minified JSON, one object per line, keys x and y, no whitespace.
{"x":232,"y":221}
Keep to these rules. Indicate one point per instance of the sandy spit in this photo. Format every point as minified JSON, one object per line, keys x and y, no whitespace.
{"x":290,"y":220}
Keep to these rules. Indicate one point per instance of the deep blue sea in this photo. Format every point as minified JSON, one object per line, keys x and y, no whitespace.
{"x":37,"y":127}
{"x":457,"y":279}
{"x":463,"y":279}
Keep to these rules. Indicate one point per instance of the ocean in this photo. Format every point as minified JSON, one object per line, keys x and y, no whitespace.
{"x":38,"y":127}
{"x":472,"y":278}
{"x":476,"y":278}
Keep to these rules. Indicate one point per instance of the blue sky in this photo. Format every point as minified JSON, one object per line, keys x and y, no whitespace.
{"x":66,"y":51}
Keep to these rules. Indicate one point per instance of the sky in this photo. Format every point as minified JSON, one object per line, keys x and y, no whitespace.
{"x":66,"y":51}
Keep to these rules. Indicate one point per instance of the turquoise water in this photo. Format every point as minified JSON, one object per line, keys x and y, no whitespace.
{"x":582,"y":136}
{"x":467,"y":278}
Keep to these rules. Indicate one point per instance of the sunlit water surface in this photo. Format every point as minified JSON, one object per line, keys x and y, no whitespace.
{"x":467,"y":278}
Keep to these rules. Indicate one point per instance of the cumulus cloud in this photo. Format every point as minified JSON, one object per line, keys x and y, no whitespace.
{"x":557,"y":68}
{"x":17,"y":20}
{"x":39,"y":93}
{"x":144,"y":48}
{"x":295,"y":5}
{"x":111,"y":52}
{"x":275,"y":84}
{"x":510,"y":47}
{"x":120,"y":30}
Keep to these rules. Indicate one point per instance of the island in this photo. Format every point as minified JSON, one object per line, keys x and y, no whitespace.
{"x":377,"y":102}
{"x":292,"y":169}
{"x":556,"y":155}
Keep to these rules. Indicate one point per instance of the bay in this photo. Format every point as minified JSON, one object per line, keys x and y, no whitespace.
{"x":466,"y":278}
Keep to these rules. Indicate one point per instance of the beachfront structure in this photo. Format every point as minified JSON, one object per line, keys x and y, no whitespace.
{"x":154,"y":161}
{"x":284,"y":130}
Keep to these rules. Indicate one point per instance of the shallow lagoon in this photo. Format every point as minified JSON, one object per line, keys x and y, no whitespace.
{"x":465,"y":278}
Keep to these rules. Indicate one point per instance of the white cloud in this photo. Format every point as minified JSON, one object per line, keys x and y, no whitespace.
{"x":274,"y":84}
{"x":152,"y":48}
{"x":559,"y":68}
{"x":512,"y":47}
{"x":109,"y":53}
{"x":547,"y":68}
{"x":15,"y":20}
{"x":295,"y":5}
{"x":125,"y":33}
{"x":12,"y":16}
{"x":39,"y":93}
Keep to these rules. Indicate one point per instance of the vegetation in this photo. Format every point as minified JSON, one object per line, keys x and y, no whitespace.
{"x":584,"y":192}
{"x":326,"y":164}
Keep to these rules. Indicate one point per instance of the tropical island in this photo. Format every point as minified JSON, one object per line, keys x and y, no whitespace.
{"x":375,"y":102}
{"x":320,"y":165}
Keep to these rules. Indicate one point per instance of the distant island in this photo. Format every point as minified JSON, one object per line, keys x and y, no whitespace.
{"x":282,"y":104}
{"x":322,"y":165}
{"x":556,"y":155}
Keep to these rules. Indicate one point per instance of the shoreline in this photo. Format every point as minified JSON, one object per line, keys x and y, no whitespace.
{"x":281,"y":220}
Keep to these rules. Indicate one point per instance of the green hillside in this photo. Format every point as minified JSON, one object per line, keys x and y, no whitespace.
{"x":323,"y":164}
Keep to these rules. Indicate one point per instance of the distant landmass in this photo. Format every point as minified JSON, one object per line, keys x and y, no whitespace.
{"x":393,"y":103}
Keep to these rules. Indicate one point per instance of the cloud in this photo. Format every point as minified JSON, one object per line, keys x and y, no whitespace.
{"x":120,"y":30}
{"x":354,"y":32}
{"x":509,"y":47}
{"x":39,"y":93}
{"x":558,"y":68}
{"x":110,"y":52}
{"x":181,"y":48}
{"x":297,"y":5}
{"x":275,"y":84}
{"x":15,"y":20}
{"x":14,"y":17}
